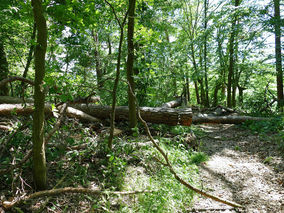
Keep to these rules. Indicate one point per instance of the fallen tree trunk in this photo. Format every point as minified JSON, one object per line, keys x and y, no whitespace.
{"x":173,"y":104}
{"x":157,"y":115}
{"x":233,"y":119}
{"x":14,"y":100}
{"x":169,"y":116}
{"x":19,"y":109}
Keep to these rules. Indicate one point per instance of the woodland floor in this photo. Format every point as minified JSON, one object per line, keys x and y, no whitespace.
{"x":243,"y":167}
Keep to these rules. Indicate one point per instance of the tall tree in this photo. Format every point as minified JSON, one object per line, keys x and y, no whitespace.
{"x":130,"y":61}
{"x":205,"y":54}
{"x":279,"y":71}
{"x":232,"y":56}
{"x":39,"y":162}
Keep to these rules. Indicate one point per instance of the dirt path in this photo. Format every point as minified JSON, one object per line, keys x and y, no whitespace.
{"x":242,"y":168}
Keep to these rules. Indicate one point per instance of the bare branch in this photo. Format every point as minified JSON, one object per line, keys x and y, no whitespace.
{"x":80,"y":190}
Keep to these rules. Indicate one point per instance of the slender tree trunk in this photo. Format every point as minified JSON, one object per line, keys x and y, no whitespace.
{"x":130,"y":61}
{"x":241,"y":94}
{"x":99,"y":71}
{"x":39,"y":162}
{"x":114,"y":92}
{"x":231,"y":58}
{"x":30,"y":57}
{"x":215,"y":96}
{"x":31,"y":51}
{"x":205,"y":55}
{"x":196,"y":92}
{"x":4,"y":71}
{"x":279,"y":70}
{"x":187,"y":89}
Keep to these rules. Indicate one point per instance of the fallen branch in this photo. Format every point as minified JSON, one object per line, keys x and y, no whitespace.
{"x":169,"y":165}
{"x":19,"y":109}
{"x":173,"y":104}
{"x":80,"y":190}
{"x":14,"y":100}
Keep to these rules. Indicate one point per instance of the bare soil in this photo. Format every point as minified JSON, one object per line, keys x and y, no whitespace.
{"x":243,"y":167}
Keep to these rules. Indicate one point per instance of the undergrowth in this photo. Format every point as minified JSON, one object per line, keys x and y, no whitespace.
{"x":78,"y":155}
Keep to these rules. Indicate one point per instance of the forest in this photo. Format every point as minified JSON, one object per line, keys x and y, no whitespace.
{"x":141,"y":106}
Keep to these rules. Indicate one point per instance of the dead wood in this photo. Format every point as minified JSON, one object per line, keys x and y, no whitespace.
{"x":14,"y":100}
{"x":19,"y":109}
{"x":173,"y":104}
{"x":157,"y":115}
{"x":232,"y":119}
{"x":5,"y":128}
{"x":80,"y":190}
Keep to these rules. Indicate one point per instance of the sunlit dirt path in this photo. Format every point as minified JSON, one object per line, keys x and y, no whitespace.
{"x":242,"y":167}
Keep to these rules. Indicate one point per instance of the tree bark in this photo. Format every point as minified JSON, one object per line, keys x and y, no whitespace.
{"x":279,"y":71}
{"x":130,"y":61}
{"x":39,"y":161}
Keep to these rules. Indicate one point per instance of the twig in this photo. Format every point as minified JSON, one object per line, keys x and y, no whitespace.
{"x":80,"y":190}
{"x":169,"y":165}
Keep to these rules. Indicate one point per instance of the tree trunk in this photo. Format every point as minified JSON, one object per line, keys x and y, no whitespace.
{"x":4,"y":71}
{"x":205,"y":55}
{"x":231,"y":57}
{"x":39,"y":162}
{"x":279,"y":71}
{"x":130,"y":61}
{"x":29,"y":59}
{"x":114,"y":92}
{"x":196,"y":92}
{"x":99,"y":71}
{"x":158,"y":115}
{"x":187,"y":90}
{"x":215,"y":96}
